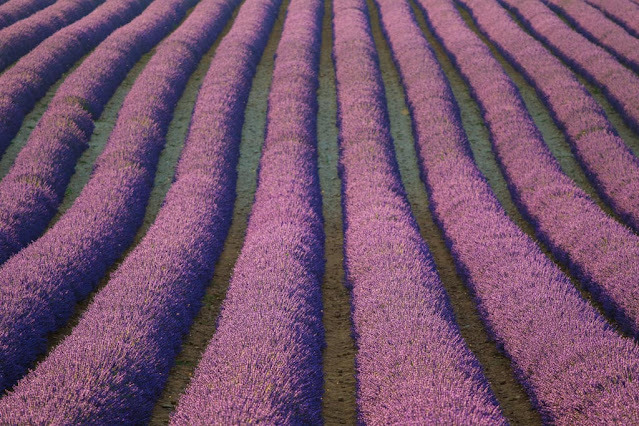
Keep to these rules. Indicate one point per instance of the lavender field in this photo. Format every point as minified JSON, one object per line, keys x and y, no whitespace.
{"x":319,"y":212}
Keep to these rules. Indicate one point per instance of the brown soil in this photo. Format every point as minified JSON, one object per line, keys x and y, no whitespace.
{"x":339,"y":353}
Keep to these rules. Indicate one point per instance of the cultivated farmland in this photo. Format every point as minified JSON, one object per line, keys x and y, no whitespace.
{"x":319,"y":212}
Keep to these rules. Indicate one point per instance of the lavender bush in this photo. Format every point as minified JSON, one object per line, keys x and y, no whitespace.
{"x":608,"y":162}
{"x":20,"y":38}
{"x":575,"y":367}
{"x":601,"y":252}
{"x":592,"y":23}
{"x":136,"y":322}
{"x":28,"y":80}
{"x":72,"y":256}
{"x":264,"y":363}
{"x":618,"y":83}
{"x":16,"y":10}
{"x":33,"y":189}
{"x":624,"y":12}
{"x":412,"y":364}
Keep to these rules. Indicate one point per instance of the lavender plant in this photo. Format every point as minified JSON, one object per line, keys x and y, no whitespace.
{"x":28,"y":80}
{"x":264,"y":363}
{"x":618,"y":83}
{"x":603,"y":253}
{"x":576,"y":369}
{"x":625,"y":12}
{"x":608,"y":162}
{"x":16,"y":10}
{"x":592,"y":23}
{"x":72,"y":256}
{"x":412,"y":364}
{"x":32,"y":191}
{"x":17,"y":40}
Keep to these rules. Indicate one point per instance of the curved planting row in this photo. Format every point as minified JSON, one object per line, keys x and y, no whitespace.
{"x":68,"y":260}
{"x":575,"y":367}
{"x":594,"y":25}
{"x":608,"y":162}
{"x":625,"y":12}
{"x":32,"y":191}
{"x":264,"y":363}
{"x":16,"y":10}
{"x":602,"y":252}
{"x":28,"y":80}
{"x":24,"y":35}
{"x":117,"y":359}
{"x":618,"y":83}
{"x":412,"y":363}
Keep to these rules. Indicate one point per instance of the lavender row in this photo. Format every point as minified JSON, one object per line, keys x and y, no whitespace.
{"x":624,"y":12}
{"x":603,"y":253}
{"x":412,"y":363}
{"x":608,"y":162}
{"x":68,"y":260}
{"x":16,"y":10}
{"x":571,"y":362}
{"x":18,"y":39}
{"x":28,"y":80}
{"x":619,"y":84}
{"x":118,"y":357}
{"x":598,"y":28}
{"x":33,"y":189}
{"x":264,"y":363}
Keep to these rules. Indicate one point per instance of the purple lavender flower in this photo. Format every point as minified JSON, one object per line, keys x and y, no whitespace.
{"x":600,"y":251}
{"x":619,"y":84}
{"x":33,"y":189}
{"x":15,"y":10}
{"x":264,"y":363}
{"x":576,"y":369}
{"x":599,"y":29}
{"x":18,"y":39}
{"x":608,"y":162}
{"x":28,"y":80}
{"x":625,"y":12}
{"x":412,"y":364}
{"x":72,"y":256}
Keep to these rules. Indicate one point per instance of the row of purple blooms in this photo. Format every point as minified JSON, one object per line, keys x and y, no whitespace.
{"x":28,"y":80}
{"x":15,"y":10}
{"x":264,"y":362}
{"x":602,"y":153}
{"x":18,"y":39}
{"x":124,"y":345}
{"x":619,"y":84}
{"x":624,"y":12}
{"x":594,"y":24}
{"x":412,"y":365}
{"x":32,"y":191}
{"x":558,"y":343}
{"x":40,"y":285}
{"x":399,"y":305}
{"x":601,"y":251}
